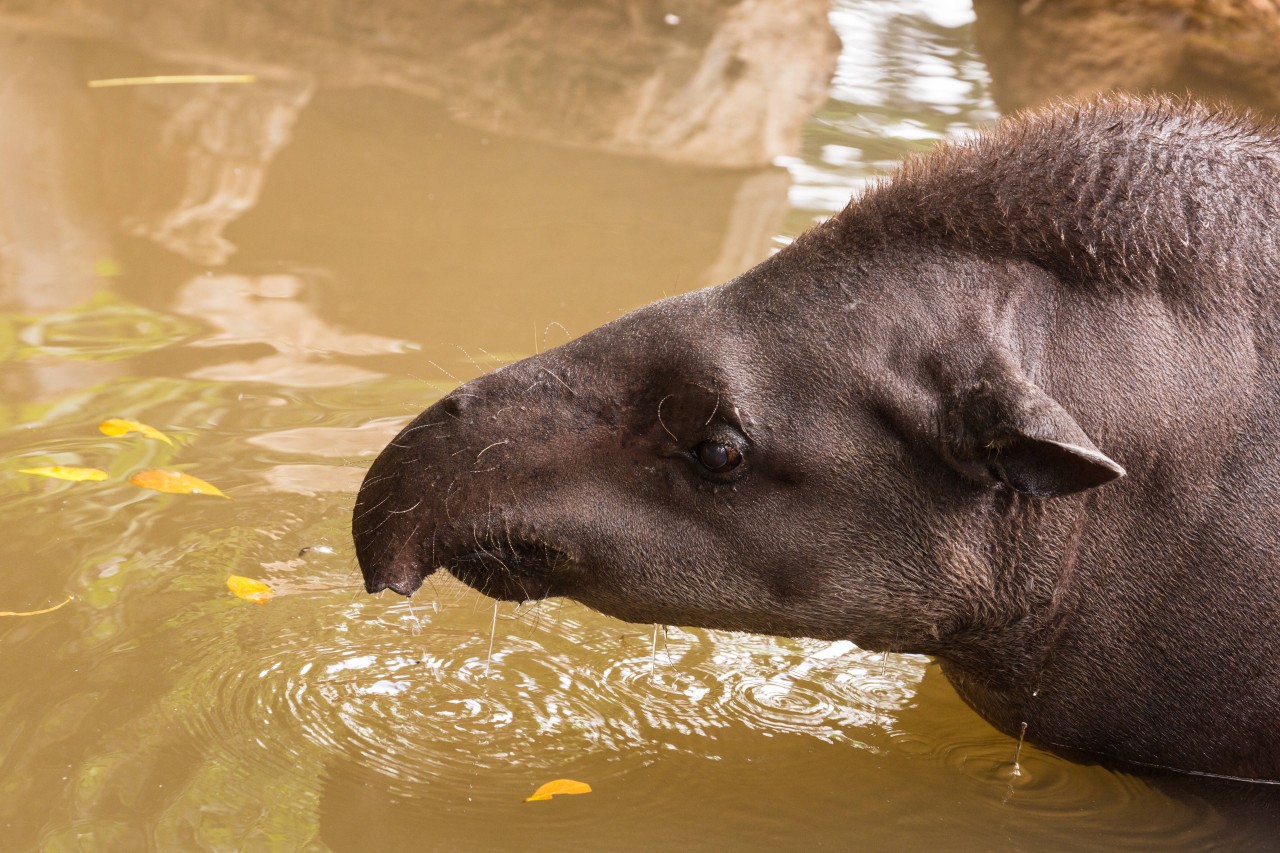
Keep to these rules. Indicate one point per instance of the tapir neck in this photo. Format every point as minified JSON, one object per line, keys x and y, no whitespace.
{"x":1111,"y":661}
{"x":999,"y":663}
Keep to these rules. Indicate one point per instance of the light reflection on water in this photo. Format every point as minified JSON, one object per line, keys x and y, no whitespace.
{"x":281,"y":339}
{"x":417,"y":696}
{"x":907,"y":77}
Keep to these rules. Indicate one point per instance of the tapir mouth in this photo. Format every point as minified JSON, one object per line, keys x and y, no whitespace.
{"x":518,"y":571}
{"x":507,"y":569}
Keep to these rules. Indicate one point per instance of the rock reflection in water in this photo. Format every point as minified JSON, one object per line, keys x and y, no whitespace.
{"x":701,"y":82}
{"x":1216,"y":49}
{"x":706,"y":81}
{"x":272,"y":311}
{"x":215,"y":145}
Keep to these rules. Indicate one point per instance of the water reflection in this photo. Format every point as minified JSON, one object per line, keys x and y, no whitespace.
{"x":271,"y":310}
{"x":55,"y":242}
{"x":691,"y":80}
{"x":909,"y":76}
{"x":214,"y":147}
{"x":1219,"y":51}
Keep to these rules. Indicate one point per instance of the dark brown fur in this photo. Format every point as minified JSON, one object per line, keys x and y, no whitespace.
{"x":1153,"y":195}
{"x":937,"y":396}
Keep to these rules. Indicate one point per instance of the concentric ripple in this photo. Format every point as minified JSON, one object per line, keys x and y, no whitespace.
{"x":450,"y":699}
{"x":420,"y":698}
{"x":1038,"y":792}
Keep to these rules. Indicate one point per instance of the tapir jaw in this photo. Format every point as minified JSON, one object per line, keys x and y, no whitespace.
{"x":513,"y":571}
{"x":504,"y":560}
{"x":503,"y":579}
{"x":506,"y":571}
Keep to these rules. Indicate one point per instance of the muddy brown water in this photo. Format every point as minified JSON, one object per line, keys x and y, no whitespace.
{"x":278,"y":276}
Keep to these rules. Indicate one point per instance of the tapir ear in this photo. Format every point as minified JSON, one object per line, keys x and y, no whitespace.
{"x":1008,"y":428}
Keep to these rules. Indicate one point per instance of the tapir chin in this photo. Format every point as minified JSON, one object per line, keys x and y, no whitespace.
{"x":1016,"y":407}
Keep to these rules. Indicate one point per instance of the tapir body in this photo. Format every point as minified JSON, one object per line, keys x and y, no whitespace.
{"x":1016,"y":407}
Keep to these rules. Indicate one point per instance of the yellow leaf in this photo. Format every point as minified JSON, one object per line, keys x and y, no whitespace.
{"x":250,"y":589}
{"x":63,"y":472}
{"x":174,"y":482}
{"x":120,"y":426}
{"x":35,"y":612}
{"x":559,"y":786}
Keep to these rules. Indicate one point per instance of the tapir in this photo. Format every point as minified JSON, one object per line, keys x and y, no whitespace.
{"x":1016,"y":407}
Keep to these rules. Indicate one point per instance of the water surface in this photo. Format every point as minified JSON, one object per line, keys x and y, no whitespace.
{"x":280,"y":275}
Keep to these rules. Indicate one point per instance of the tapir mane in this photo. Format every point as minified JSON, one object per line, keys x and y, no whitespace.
{"x":1115,"y":192}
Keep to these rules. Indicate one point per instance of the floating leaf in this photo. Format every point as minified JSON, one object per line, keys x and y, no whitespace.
{"x":174,"y":482}
{"x":120,"y":426}
{"x":65,"y":472}
{"x":35,"y":612}
{"x":559,"y":786}
{"x":171,"y":79}
{"x":250,"y":589}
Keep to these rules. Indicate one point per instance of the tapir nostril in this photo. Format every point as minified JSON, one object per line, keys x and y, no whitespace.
{"x":404,"y":582}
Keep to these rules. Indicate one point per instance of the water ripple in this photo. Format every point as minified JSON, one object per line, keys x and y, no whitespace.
{"x":428,"y":704}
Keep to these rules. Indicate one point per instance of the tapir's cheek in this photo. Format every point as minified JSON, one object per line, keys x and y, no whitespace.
{"x":787,"y":582}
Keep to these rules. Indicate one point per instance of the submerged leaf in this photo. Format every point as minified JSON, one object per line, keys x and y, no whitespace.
{"x":174,"y":482}
{"x":35,"y":612}
{"x":559,"y":786}
{"x":250,"y":589}
{"x":106,"y":268}
{"x":65,"y":472}
{"x":120,"y":426}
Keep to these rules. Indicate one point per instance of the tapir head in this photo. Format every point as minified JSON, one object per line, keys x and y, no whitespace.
{"x":821,"y":447}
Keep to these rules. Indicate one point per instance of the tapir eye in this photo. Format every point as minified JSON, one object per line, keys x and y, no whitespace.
{"x":715,"y":456}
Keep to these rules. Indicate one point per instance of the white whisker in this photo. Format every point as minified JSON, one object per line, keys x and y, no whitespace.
{"x":493,"y":630}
